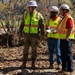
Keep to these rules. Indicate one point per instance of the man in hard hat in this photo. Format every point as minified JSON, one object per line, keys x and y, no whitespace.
{"x":32,"y":25}
{"x":66,"y":32}
{"x":52,"y":37}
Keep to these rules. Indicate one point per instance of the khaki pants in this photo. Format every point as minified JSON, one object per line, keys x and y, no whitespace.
{"x":33,"y":41}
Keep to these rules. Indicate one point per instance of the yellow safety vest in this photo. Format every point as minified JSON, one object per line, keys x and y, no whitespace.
{"x":32,"y":26}
{"x":63,"y":30}
{"x":53,"y":24}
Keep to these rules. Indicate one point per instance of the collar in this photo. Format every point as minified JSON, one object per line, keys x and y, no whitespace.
{"x":54,"y":18}
{"x":65,"y":15}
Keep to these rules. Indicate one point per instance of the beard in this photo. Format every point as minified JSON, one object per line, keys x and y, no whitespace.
{"x":53,"y":14}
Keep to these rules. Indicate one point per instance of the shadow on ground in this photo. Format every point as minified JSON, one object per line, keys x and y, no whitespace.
{"x":30,"y":71}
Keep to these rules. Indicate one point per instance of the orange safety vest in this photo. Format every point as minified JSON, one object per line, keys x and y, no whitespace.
{"x":62,"y":28}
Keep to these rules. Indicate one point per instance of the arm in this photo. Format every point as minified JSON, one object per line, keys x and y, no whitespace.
{"x":47,"y":24}
{"x":68,"y":32}
{"x":41,"y":26}
{"x":69,"y":27}
{"x":21,"y":27}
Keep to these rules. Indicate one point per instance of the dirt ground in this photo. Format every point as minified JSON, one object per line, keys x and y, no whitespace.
{"x":11,"y":60}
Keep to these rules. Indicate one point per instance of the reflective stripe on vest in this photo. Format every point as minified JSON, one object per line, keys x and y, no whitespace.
{"x":34,"y":23}
{"x":63,"y":30}
{"x":53,"y":24}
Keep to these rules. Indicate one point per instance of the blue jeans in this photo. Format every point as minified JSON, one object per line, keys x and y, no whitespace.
{"x":54,"y":44}
{"x":66,"y":54}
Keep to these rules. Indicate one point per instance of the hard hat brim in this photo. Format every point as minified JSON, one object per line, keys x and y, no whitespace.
{"x":32,"y":5}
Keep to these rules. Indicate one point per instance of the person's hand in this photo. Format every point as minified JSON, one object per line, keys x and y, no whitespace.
{"x":55,"y":31}
{"x":67,"y":39}
{"x":48,"y":27}
{"x":19,"y":35}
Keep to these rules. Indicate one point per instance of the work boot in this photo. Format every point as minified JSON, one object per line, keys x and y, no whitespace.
{"x":61,"y":71}
{"x":23,"y":66}
{"x":68,"y":73}
{"x":51,"y":66}
{"x":58,"y":67}
{"x":33,"y":65}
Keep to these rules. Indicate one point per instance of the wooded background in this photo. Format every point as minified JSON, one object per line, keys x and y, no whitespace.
{"x":11,"y":12}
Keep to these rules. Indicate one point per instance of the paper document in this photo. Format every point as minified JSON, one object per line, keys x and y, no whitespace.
{"x":50,"y":30}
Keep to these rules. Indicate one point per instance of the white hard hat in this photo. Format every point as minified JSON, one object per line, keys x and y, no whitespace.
{"x":64,"y":6}
{"x":54,"y":9}
{"x":32,"y":3}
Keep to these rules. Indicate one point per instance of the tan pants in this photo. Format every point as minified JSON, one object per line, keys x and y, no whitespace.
{"x":33,"y":41}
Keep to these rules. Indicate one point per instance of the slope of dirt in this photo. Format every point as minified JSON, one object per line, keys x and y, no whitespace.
{"x":11,"y":60}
